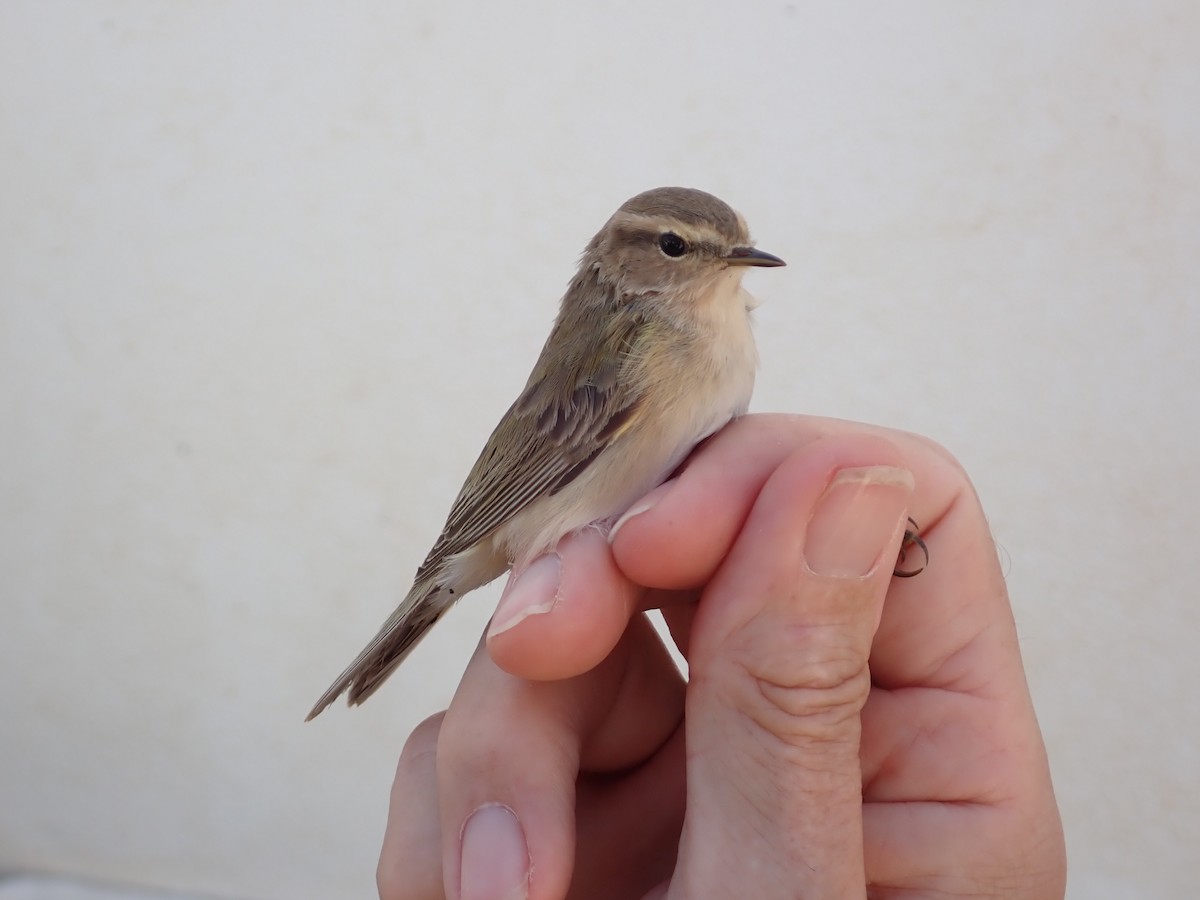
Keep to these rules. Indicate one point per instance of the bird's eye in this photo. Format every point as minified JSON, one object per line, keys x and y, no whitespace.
{"x":672,"y":244}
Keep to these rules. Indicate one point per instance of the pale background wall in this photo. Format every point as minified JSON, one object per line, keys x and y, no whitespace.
{"x":271,"y":271}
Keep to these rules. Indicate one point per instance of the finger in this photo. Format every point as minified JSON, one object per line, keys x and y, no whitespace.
{"x":956,"y":781}
{"x":779,"y":662}
{"x":958,"y":599}
{"x":511,"y":751}
{"x":564,"y":613}
{"x":956,"y":792}
{"x":678,"y":536}
{"x":410,"y":861}
{"x":948,"y":673}
{"x":628,"y":828}
{"x":679,"y":533}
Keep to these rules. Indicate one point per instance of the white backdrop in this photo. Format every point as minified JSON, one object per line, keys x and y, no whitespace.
{"x":270,"y":272}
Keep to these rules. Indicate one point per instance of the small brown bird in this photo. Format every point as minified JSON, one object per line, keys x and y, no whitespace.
{"x":651,"y":353}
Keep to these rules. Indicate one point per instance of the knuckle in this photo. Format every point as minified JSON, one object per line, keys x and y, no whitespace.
{"x":805,"y":683}
{"x":422,"y":744}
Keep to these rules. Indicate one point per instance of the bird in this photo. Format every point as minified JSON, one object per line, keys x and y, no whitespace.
{"x":651,"y":352}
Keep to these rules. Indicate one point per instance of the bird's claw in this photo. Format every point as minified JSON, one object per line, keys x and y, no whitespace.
{"x":912,"y":538}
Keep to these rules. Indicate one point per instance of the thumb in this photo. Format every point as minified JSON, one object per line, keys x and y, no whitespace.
{"x":778,"y":676}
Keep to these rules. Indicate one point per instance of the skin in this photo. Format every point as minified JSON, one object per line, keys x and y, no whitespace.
{"x":843,"y":733}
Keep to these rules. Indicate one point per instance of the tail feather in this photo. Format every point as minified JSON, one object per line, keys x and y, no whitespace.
{"x":424,"y":605}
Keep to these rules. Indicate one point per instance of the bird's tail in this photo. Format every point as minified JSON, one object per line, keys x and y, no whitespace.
{"x":424,"y":605}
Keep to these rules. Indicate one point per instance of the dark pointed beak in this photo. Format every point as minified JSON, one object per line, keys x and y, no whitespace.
{"x":750,"y":256}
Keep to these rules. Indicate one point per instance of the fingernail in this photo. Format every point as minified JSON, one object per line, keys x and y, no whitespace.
{"x":495,"y":860}
{"x":855,"y":519}
{"x":646,"y":504}
{"x":532,"y":593}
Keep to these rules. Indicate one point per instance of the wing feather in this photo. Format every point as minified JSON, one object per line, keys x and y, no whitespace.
{"x":578,"y":400}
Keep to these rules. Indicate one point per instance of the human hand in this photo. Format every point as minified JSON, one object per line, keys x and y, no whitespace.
{"x":575,"y":760}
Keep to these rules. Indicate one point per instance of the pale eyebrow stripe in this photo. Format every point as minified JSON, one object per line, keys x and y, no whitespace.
{"x":652,"y":226}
